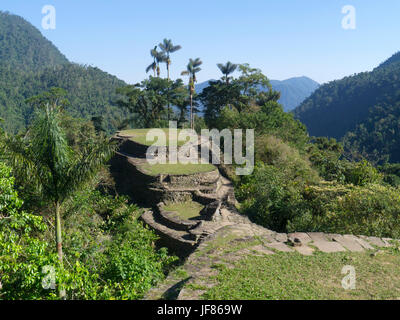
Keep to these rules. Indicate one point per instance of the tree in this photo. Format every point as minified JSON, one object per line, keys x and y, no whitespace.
{"x":158,"y":57}
{"x":153,"y":65}
{"x":226,"y":70}
{"x":44,"y":156}
{"x":245,"y":94}
{"x":192,"y":68}
{"x":167,"y":48}
{"x":147,"y":100}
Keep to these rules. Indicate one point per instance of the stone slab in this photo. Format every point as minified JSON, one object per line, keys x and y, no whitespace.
{"x":348,"y":243}
{"x":361,"y":241}
{"x":374,"y":241}
{"x":261,"y":249}
{"x":280,"y":246}
{"x":304,"y":250}
{"x":281,"y":237}
{"x":328,"y":246}
{"x":302,"y":237}
{"x":317,"y":236}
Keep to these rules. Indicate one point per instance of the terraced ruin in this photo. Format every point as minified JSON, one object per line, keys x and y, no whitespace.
{"x":195,"y":237}
{"x":205,"y":187}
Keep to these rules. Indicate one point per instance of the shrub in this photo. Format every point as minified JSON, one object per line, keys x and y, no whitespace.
{"x":109,"y":254}
{"x":270,"y":198}
{"x":368,"y":210}
{"x":361,"y":173}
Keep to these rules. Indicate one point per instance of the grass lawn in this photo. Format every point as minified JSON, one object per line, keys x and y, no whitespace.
{"x":294,"y":276}
{"x":139,"y":136}
{"x":177,"y":169}
{"x":185,"y":210}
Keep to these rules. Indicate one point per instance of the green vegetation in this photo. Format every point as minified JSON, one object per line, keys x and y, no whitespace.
{"x":177,"y":168}
{"x":362,"y":110}
{"x":59,"y":169}
{"x":185,"y":210}
{"x":22,"y":46}
{"x":55,"y":187}
{"x":296,"y":277}
{"x":31,"y":65}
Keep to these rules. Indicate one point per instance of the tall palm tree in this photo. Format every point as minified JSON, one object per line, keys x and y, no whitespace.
{"x":191,"y":69}
{"x":153,"y":65}
{"x":44,"y":157}
{"x":167,"y":48}
{"x":158,"y":57}
{"x":227,"y":69}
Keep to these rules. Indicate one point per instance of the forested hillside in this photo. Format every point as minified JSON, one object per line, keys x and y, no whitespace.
{"x":361,"y":110}
{"x":339,"y":106}
{"x":22,"y":46}
{"x":30,"y":65}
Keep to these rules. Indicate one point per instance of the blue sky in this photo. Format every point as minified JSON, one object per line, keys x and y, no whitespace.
{"x":284,"y":38}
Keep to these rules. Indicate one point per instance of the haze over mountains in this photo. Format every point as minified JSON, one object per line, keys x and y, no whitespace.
{"x":293,"y":91}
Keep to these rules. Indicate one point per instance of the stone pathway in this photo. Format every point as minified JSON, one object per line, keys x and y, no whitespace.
{"x":249,"y":239}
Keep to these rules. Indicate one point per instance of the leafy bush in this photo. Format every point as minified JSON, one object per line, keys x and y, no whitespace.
{"x":368,"y":210}
{"x":270,"y":198}
{"x":361,"y":173}
{"x":108,"y":252}
{"x":22,"y":253}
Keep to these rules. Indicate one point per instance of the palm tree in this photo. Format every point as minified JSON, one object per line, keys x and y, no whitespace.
{"x":227,"y":69}
{"x":158,"y":57}
{"x":44,"y":157}
{"x":167,"y":48}
{"x":191,"y":69}
{"x":153,"y":65}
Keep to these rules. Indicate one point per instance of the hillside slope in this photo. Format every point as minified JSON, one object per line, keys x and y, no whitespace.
{"x":30,"y":64}
{"x":339,"y":106}
{"x":22,"y":46}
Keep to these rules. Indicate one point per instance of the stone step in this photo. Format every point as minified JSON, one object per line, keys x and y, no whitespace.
{"x":180,"y":243}
{"x":172,"y":221}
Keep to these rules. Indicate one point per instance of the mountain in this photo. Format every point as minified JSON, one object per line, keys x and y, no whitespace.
{"x":30,"y":64}
{"x":339,"y":106}
{"x":362,"y":110}
{"x":22,"y":46}
{"x":293,"y":91}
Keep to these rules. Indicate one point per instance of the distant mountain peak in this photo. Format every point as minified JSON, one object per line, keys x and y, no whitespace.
{"x":22,"y":46}
{"x":293,"y":90}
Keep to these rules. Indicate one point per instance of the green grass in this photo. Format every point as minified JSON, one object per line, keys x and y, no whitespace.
{"x":139,"y":136}
{"x":185,"y":210}
{"x":177,"y":169}
{"x":294,"y":276}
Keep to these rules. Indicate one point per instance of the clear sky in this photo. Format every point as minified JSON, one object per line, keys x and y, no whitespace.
{"x":284,"y":38}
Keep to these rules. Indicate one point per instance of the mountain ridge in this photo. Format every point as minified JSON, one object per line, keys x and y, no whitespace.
{"x":293,"y":90}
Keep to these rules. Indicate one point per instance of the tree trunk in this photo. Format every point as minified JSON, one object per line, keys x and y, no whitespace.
{"x":191,"y":110}
{"x":58,"y":234}
{"x":61,"y":291}
{"x":169,"y":105}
